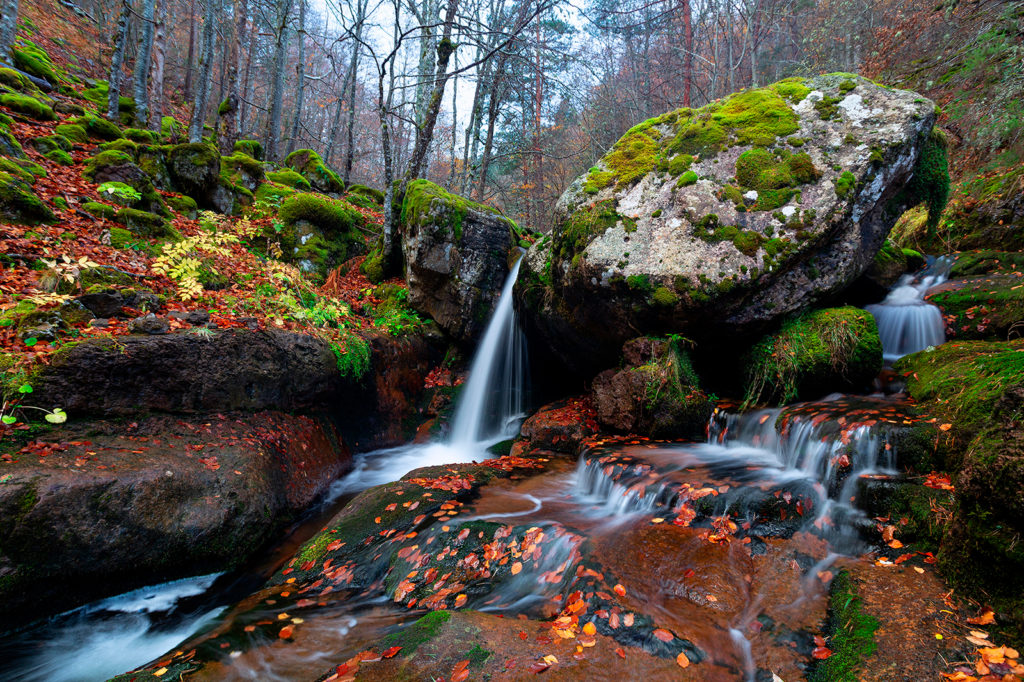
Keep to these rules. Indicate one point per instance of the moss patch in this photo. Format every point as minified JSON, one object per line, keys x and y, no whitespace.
{"x":428,"y":205}
{"x":851,"y":633}
{"x":28,"y":106}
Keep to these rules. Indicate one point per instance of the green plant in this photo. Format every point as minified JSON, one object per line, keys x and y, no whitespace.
{"x":183,"y":261}
{"x":352,"y":355}
{"x":119,"y":189}
{"x":9,"y":408}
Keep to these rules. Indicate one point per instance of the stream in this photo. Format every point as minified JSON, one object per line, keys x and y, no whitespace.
{"x":737,"y":534}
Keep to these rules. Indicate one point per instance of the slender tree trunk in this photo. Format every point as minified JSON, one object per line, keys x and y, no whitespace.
{"x":143,"y":63}
{"x":8,"y":26}
{"x":300,"y":70}
{"x":688,"y":56}
{"x":205,"y":85}
{"x":191,"y":59}
{"x":353,"y":72}
{"x":243,"y":118}
{"x":120,"y":42}
{"x":156,"y":95}
{"x":236,"y":64}
{"x":492,"y":118}
{"x":277,"y":91}
{"x":332,"y":136}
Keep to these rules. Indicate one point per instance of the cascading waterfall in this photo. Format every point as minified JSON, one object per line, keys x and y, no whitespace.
{"x":906,"y":322}
{"x":491,"y":404}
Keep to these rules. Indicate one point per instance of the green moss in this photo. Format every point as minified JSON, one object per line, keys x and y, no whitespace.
{"x":329,"y":215}
{"x":19,"y":205}
{"x":170,"y":129}
{"x":97,"y":128}
{"x":36,"y":62}
{"x":686,"y":179}
{"x":59,"y":156}
{"x":373,"y":265}
{"x":930,"y":183}
{"x":289,"y":178}
{"x":141,"y":136}
{"x":120,"y":238}
{"x":9,"y":166}
{"x":72,"y":131}
{"x":845,"y":184}
{"x":827,"y":107}
{"x":105,"y":159}
{"x":813,"y":354}
{"x":183,"y":204}
{"x":747,"y":242}
{"x":664,"y":297}
{"x":250,"y":148}
{"x":29,"y":106}
{"x":631,"y":158}
{"x":584,"y":224}
{"x":142,"y":223}
{"x":311,"y":166}
{"x":272,"y":193}
{"x":851,"y":634}
{"x":122,"y":145}
{"x":51,"y":142}
{"x":427,"y":204}
{"x":793,"y":89}
{"x":98,"y":210}
{"x":679,"y":164}
{"x":13,"y":79}
{"x":375,"y":195}
{"x":423,"y":630}
{"x":847,"y":86}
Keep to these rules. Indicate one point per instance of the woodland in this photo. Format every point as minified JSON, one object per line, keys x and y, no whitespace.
{"x":480,"y":339}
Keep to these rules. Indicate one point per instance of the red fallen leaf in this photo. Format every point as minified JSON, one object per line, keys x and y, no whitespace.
{"x":689,"y":573}
{"x":539,"y":667}
{"x":286,"y":632}
{"x":460,"y":672}
{"x":819,"y":640}
{"x":663,"y":635}
{"x":523,"y":636}
{"x":391,"y":652}
{"x":987,"y":617}
{"x":620,"y":652}
{"x":619,"y":590}
{"x":682,"y":660}
{"x":821,"y":653}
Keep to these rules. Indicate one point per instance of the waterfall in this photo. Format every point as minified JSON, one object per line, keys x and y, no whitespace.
{"x":906,"y":322}
{"x":491,"y":403}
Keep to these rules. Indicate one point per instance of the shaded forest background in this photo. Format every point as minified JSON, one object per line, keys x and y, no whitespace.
{"x":509,"y":101}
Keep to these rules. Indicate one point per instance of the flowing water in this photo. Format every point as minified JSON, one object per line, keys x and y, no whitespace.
{"x":906,"y":322}
{"x":729,"y":541}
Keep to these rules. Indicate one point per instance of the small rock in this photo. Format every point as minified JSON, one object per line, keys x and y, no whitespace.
{"x":144,"y":300}
{"x":197,"y":317}
{"x":104,"y":303}
{"x":43,"y":332}
{"x":99,"y":322}
{"x":149,"y":324}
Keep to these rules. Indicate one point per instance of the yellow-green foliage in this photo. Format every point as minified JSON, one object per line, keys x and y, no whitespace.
{"x":290,"y":178}
{"x":812,"y":354}
{"x":183,"y":261}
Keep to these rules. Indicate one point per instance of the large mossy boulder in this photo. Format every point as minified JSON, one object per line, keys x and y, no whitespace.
{"x":112,"y":167}
{"x":812,"y":355}
{"x":716,"y":222}
{"x":975,"y":391}
{"x":456,"y":255}
{"x":18,"y":204}
{"x":243,"y":170}
{"x":309,"y":165}
{"x":319,"y":233}
{"x":194,"y":169}
{"x":657,"y":393}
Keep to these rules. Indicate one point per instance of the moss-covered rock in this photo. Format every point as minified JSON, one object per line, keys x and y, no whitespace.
{"x":17,"y":170}
{"x":60,"y":157}
{"x":308,"y":163}
{"x":170,"y":130}
{"x":184,"y":205}
{"x":374,"y":195}
{"x":99,"y":210}
{"x":243,"y":170}
{"x":734,"y":225}
{"x":72,"y":131}
{"x":250,"y":148}
{"x":814,"y":354}
{"x":51,"y":142}
{"x":456,"y":255}
{"x":656,"y":394}
{"x":122,"y":145}
{"x":981,"y":307}
{"x":195,"y":169}
{"x":96,"y":128}
{"x":28,"y":106}
{"x":13,"y":80}
{"x":289,"y":178}
{"x":319,"y":233}
{"x":36,"y":62}
{"x":19,"y":205}
{"x":141,"y":136}
{"x":113,"y":166}
{"x":144,"y":224}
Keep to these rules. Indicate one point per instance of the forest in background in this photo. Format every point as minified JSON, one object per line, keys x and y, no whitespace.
{"x":505,"y":101}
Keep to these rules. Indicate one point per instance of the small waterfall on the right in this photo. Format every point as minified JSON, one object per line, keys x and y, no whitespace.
{"x":906,"y":322}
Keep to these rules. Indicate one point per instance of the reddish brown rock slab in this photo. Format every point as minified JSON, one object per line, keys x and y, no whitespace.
{"x":911,"y":609}
{"x":99,"y":508}
{"x":517,"y":651}
{"x":561,"y":426}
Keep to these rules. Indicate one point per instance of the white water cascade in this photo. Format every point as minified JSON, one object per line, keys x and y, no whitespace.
{"x":492,"y":402}
{"x":490,"y":407}
{"x":906,"y":322}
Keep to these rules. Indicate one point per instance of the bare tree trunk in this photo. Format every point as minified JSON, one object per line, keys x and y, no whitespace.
{"x":120,"y":42}
{"x":492,"y":118}
{"x":353,"y":67}
{"x":243,"y":117}
{"x":159,"y":62}
{"x":227,"y":112}
{"x":143,"y":63}
{"x":688,"y":56}
{"x":8,"y":27}
{"x":277,"y":92}
{"x":205,"y":84}
{"x":300,"y":70}
{"x":236,"y":64}
{"x":190,"y":60}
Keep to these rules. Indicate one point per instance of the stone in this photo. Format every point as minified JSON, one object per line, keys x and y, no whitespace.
{"x":149,"y":324}
{"x":456,"y":253}
{"x":662,"y":234}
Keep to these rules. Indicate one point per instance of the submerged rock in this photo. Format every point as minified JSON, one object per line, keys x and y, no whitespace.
{"x":717,"y":221}
{"x":456,"y":255}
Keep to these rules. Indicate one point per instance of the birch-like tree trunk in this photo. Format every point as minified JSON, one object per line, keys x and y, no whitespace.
{"x":116,"y":61}
{"x":8,"y":26}
{"x":156,"y":90}
{"x":277,"y":91}
{"x":300,"y":72}
{"x":205,"y":82}
{"x":143,"y":62}
{"x":353,"y":68}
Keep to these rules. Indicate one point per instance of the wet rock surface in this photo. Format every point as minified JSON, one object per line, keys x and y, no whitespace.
{"x":177,"y":496}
